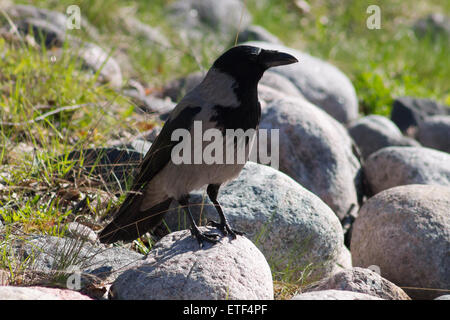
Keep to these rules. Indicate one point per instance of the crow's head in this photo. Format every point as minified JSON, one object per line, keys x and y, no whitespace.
{"x":247,"y":63}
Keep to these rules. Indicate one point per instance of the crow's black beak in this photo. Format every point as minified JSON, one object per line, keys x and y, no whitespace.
{"x":272,"y":58}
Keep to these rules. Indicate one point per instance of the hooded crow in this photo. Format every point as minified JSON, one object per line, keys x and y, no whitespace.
{"x":227,"y":98}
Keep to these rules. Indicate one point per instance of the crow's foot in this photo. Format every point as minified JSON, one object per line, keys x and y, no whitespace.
{"x":225,"y":229}
{"x":202,"y":237}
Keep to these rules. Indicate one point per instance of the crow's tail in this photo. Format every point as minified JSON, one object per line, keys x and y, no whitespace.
{"x":130,"y":222}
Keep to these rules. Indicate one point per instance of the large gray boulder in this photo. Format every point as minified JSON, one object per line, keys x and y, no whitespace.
{"x":396,"y":166}
{"x":405,"y":231}
{"x":316,"y":151}
{"x":363,"y":281}
{"x":434,"y":132}
{"x":320,"y":83}
{"x":290,"y":225}
{"x":375,"y":132}
{"x":334,"y":295}
{"x":178,"y":269}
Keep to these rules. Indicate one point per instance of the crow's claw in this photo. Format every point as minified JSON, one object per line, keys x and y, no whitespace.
{"x":201,"y":237}
{"x":225,"y":229}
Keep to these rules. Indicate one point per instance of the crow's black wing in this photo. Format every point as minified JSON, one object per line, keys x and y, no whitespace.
{"x":130,"y":221}
{"x":159,"y":154}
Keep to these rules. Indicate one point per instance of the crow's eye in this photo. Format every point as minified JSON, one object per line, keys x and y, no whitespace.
{"x":251,"y":53}
{"x":255,"y":54}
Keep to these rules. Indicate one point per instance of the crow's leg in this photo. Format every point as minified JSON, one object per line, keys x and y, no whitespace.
{"x":200,"y":236}
{"x":223,"y":225}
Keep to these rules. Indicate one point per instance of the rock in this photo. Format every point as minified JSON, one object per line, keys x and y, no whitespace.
{"x":98,"y":60}
{"x":257,"y":33}
{"x":177,"y":88}
{"x":64,"y":256}
{"x":344,"y":260}
{"x":334,"y":295}
{"x":140,"y":145}
{"x":316,"y":151}
{"x":20,"y":150}
{"x":396,"y":166}
{"x":434,"y":24}
{"x":320,"y":83}
{"x":27,"y":11}
{"x":444,"y":297}
{"x":266,"y":95}
{"x":46,"y":17}
{"x":177,"y":269}
{"x":291,"y":226}
{"x":143,"y":140}
{"x":303,"y":6}
{"x":44,"y":32}
{"x":222,"y":17}
{"x":140,"y":142}
{"x":405,"y":232}
{"x":152,"y":134}
{"x":100,"y":203}
{"x":363,"y":281}
{"x":78,"y":231}
{"x":375,"y":132}
{"x":114,"y":165}
{"x":149,"y":34}
{"x":408,"y":112}
{"x":39,"y":293}
{"x":149,"y":103}
{"x":279,"y":83}
{"x":434,"y":132}
{"x":123,"y":58}
{"x":51,"y":27}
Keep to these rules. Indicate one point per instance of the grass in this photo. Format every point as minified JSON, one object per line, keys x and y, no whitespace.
{"x":153,"y":67}
{"x":50,"y":106}
{"x":34,"y":146}
{"x":382,"y":64}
